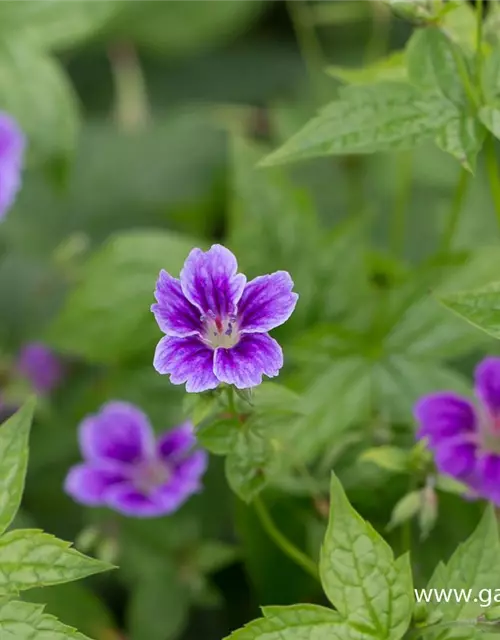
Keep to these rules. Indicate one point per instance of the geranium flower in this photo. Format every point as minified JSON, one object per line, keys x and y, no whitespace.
{"x":40,"y":366}
{"x":12,"y":143}
{"x":129,"y":471}
{"x":216,"y":322}
{"x":465,"y":436}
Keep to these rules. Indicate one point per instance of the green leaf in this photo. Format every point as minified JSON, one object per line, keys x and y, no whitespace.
{"x":391,"y":68}
{"x":107,"y":316}
{"x":480,"y":307}
{"x":251,"y":463}
{"x":14,"y":435}
{"x":55,"y":23}
{"x":490,"y":117}
{"x":474,"y":565}
{"x":26,"y":621}
{"x":387,"y":457}
{"x":407,"y":507}
{"x":78,"y":606}
{"x":359,"y":574}
{"x":490,"y":76}
{"x":435,"y":63}
{"x":159,"y":606}
{"x":462,"y":137}
{"x":29,"y":77}
{"x":30,"y":558}
{"x":221,"y":436}
{"x":381,"y":117}
{"x":296,"y":622}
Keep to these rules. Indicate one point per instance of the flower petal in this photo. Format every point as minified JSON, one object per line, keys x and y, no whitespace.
{"x":487,"y":387}
{"x":12,"y":143}
{"x":267,"y":302}
{"x":192,"y":468}
{"x":120,"y":432}
{"x":209,"y":280}
{"x":175,"y":315}
{"x":88,"y":483}
{"x":244,"y":364}
{"x":457,"y":457}
{"x":129,"y":501}
{"x":488,"y":472}
{"x":40,"y":366}
{"x":187,"y":360}
{"x":177,"y":442}
{"x":443,"y":415}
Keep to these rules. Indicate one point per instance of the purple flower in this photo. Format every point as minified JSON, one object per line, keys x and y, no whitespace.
{"x":465,"y":437}
{"x":12,"y":145}
{"x":41,"y":366}
{"x":128,"y":470}
{"x":216,"y":322}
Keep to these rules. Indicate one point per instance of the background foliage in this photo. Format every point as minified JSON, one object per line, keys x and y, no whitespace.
{"x":146,"y":123}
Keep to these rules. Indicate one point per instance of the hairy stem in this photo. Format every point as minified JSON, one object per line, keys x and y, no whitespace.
{"x":455,"y":210}
{"x":131,"y":102}
{"x":282,"y":542}
{"x":493,"y":172}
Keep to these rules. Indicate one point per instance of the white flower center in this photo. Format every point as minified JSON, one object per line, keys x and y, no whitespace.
{"x":149,"y":475}
{"x":221,"y":332}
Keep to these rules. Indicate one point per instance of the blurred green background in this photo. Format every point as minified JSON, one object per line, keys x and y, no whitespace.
{"x":145,"y":122}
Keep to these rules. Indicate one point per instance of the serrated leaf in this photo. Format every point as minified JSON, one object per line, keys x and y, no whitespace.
{"x":30,"y":558}
{"x":295,"y":622}
{"x":475,"y":565}
{"x":14,"y":436}
{"x":29,"y":77}
{"x":380,"y":117}
{"x":433,"y":61}
{"x":361,"y":578}
{"x":55,"y":23}
{"x":480,"y":307}
{"x":490,"y":117}
{"x":26,"y":621}
{"x":119,"y":276}
{"x":463,"y":138}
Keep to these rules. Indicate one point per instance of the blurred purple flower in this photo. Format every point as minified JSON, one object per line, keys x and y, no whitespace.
{"x":12,"y":143}
{"x":129,"y":471}
{"x":41,"y":366}
{"x":465,"y":437}
{"x":216,"y":323}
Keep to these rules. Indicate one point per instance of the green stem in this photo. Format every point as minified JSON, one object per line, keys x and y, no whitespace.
{"x":282,"y":542}
{"x":402,"y":200}
{"x":230,"y":401}
{"x":493,"y":172}
{"x":309,"y":44}
{"x":479,"y":42}
{"x":131,"y":102}
{"x":378,"y":42}
{"x":456,"y":208}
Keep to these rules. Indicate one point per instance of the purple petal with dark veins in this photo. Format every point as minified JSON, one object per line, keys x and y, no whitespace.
{"x":487,"y":387}
{"x":488,"y":472}
{"x":120,"y":432}
{"x":173,"y":312}
{"x":255,"y":355}
{"x":209,"y":280}
{"x":177,"y":442}
{"x":443,"y":415}
{"x":127,"y":500}
{"x":88,"y":483}
{"x":267,"y":302}
{"x":192,"y":468}
{"x":187,"y":360}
